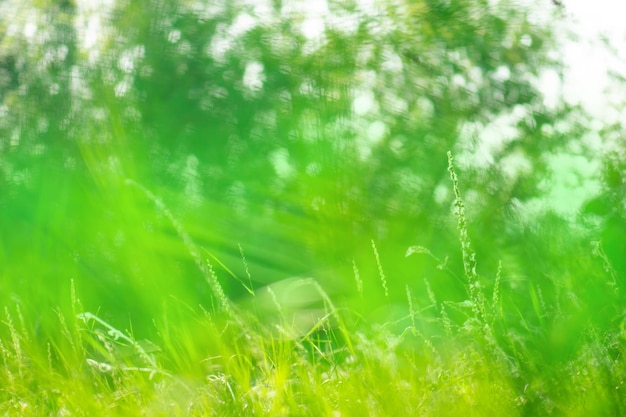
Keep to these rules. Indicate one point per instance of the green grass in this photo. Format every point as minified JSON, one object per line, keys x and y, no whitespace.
{"x":289,"y":349}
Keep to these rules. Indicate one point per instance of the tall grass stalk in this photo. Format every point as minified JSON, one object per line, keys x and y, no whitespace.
{"x":476,"y":294}
{"x":381,"y":272}
{"x":206,"y":268}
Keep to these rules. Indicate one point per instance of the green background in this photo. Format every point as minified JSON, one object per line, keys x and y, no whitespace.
{"x":124,"y":161}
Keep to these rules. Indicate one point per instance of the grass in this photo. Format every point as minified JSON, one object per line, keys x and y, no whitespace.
{"x":484,"y":355}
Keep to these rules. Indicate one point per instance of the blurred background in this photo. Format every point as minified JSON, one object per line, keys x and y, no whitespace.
{"x":288,"y":139}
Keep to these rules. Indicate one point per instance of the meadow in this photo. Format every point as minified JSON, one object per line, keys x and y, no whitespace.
{"x":235,"y":208}
{"x":290,"y":349}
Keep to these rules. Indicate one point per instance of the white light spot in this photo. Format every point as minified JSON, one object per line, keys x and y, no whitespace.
{"x":91,"y":32}
{"x":243,"y":23}
{"x":551,"y":86}
{"x":426,"y":106}
{"x":280,"y":160}
{"x":220,"y":45}
{"x":441,"y":193}
{"x":392,"y":62}
{"x":122,"y":88}
{"x":458,"y":80}
{"x":173,"y":36}
{"x":376,"y":131}
{"x":343,"y":22}
{"x":125,"y":63}
{"x":502,"y":73}
{"x":253,"y":77}
{"x":526,"y":40}
{"x":363,"y":103}
{"x":30,"y":29}
{"x":313,"y":28}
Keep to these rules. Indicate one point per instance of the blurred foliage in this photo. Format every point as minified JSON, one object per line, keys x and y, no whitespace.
{"x":295,"y":149}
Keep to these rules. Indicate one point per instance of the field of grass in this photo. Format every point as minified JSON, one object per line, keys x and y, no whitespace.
{"x":502,"y":350}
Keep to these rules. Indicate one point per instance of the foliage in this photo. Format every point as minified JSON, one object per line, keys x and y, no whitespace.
{"x":187,"y":173}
